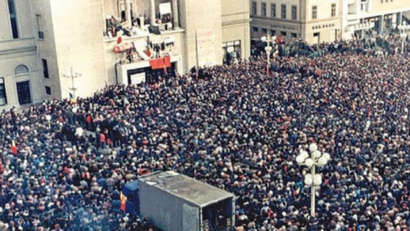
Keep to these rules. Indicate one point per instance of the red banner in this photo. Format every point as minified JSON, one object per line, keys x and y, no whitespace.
{"x":167,"y":61}
{"x":160,"y":63}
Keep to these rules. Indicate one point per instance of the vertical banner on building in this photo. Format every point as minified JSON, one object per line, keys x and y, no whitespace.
{"x":205,"y":47}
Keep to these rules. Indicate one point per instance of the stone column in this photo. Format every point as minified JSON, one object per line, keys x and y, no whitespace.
{"x":152,"y":10}
{"x":399,"y":18}
{"x":128,"y":13}
{"x":381,"y":24}
{"x":175,"y":14}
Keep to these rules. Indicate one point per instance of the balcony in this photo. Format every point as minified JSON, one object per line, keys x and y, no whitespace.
{"x":145,"y":46}
{"x":143,"y":35}
{"x":138,"y":27}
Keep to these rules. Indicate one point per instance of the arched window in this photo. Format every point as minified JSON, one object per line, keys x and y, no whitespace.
{"x":21,"y":69}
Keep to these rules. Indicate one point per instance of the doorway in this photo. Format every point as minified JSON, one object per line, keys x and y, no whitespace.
{"x":23,"y":92}
{"x":316,"y":38}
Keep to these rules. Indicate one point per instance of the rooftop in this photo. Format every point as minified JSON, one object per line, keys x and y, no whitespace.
{"x":186,"y":188}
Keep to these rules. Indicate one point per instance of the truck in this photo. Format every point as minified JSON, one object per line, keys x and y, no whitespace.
{"x":175,"y":202}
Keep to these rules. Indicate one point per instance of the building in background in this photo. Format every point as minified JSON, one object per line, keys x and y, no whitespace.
{"x":314,"y":21}
{"x":110,"y":42}
{"x":235,"y":30}
{"x":362,"y":18}
{"x":20,"y":73}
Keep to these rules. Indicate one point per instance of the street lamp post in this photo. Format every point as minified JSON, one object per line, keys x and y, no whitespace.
{"x":313,"y":180}
{"x":268,"y":49}
{"x":403,"y":28}
{"x":72,"y":74}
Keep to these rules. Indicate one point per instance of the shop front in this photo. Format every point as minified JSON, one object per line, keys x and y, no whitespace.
{"x":231,"y":52}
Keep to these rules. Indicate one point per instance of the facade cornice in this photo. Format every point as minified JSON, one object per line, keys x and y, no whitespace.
{"x":236,"y":22}
{"x":270,"y":19}
{"x":18,"y":50}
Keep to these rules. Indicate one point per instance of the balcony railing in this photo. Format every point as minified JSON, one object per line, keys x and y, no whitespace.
{"x":142,"y":34}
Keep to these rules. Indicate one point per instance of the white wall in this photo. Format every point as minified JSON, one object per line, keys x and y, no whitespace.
{"x":205,"y":17}
{"x":236,"y":24}
{"x":24,"y":20}
{"x":79,"y":44}
{"x":46,"y":47}
{"x":323,"y":8}
{"x":21,"y":51}
{"x":8,"y":63}
{"x":5,"y":30}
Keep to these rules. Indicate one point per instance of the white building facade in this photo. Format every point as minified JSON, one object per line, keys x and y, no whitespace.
{"x":361,"y":17}
{"x":311,"y":20}
{"x":316,"y":21}
{"x":20,"y":74}
{"x":40,"y":42}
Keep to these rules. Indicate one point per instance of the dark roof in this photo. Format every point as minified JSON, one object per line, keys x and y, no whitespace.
{"x":186,"y":188}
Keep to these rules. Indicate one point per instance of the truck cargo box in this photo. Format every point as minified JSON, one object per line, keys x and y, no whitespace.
{"x":175,"y":202}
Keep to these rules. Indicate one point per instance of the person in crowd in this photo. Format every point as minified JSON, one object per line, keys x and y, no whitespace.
{"x":239,"y":129}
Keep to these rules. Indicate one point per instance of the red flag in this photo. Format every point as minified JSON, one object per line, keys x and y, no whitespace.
{"x":119,"y":39}
{"x":13,"y":147}
{"x":123,"y":200}
{"x":148,"y":52}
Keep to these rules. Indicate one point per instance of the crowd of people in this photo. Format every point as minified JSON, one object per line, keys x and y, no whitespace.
{"x":383,"y":45}
{"x":239,"y":129}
